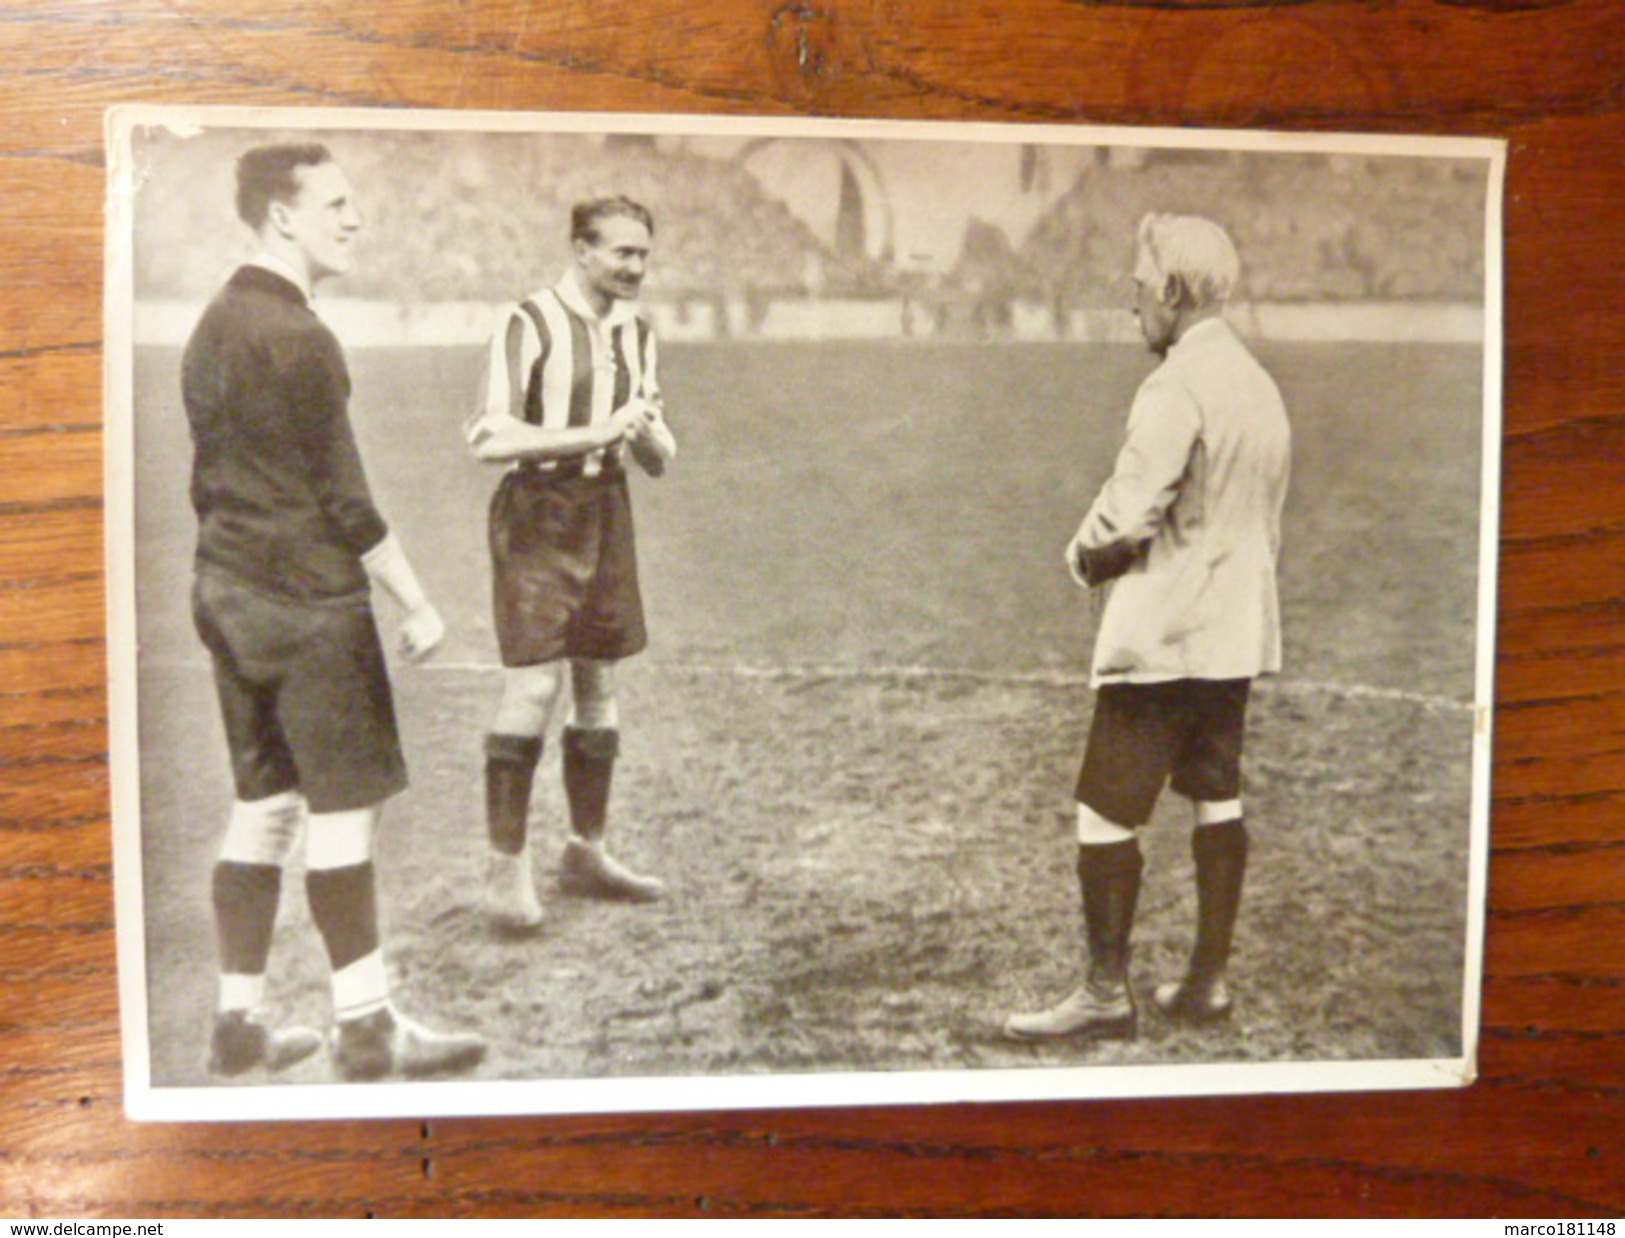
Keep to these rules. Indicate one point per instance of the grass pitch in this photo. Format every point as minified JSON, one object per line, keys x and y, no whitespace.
{"x":850,"y":747}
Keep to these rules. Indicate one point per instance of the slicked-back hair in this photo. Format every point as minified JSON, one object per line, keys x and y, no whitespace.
{"x":268,"y":174}
{"x":585,"y":216}
{"x":1196,"y":250}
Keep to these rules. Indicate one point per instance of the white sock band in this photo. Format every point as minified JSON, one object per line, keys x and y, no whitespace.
{"x":601,"y":715}
{"x":340,"y":839}
{"x":263,"y":831}
{"x":361,"y":988}
{"x":1217,"y":812}
{"x":1095,"y":831}
{"x":238,"y":992}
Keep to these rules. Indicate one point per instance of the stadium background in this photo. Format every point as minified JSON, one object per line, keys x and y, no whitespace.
{"x":974,"y":230}
{"x":850,"y":742}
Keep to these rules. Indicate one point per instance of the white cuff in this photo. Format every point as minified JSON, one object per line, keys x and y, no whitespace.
{"x":387,"y":564}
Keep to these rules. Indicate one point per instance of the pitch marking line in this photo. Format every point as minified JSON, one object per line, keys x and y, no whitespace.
{"x":1044,"y":679}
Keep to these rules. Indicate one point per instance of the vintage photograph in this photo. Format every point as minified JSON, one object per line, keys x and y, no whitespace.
{"x":640,"y":613}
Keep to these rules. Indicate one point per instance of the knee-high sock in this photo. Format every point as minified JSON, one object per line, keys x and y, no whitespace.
{"x":510,"y":771}
{"x":589,"y":767}
{"x":1220,"y":852}
{"x":1109,"y":881}
{"x":341,"y":885}
{"x":245,"y":890}
{"x":344,"y":905}
{"x":245,"y":902}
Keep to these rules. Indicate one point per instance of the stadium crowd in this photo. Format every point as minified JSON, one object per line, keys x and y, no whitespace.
{"x":1330,"y":228}
{"x":468,"y":217}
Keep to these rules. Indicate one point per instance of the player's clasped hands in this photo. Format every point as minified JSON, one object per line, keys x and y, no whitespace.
{"x":421,"y":633}
{"x":634,"y":420}
{"x":647,"y":435}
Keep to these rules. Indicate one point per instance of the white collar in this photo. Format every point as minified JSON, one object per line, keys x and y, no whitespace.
{"x":573,"y":295}
{"x":282,"y":267}
{"x":1207,"y":327}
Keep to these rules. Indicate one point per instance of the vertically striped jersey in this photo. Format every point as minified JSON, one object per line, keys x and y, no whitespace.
{"x":555,"y":364}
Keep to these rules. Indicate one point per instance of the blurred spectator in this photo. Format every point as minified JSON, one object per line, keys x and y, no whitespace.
{"x":469,"y":216}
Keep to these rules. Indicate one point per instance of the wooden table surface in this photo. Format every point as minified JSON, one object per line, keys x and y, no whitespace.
{"x":1539,"y":1135}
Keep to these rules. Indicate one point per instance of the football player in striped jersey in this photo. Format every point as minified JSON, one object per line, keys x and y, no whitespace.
{"x":572,"y":392}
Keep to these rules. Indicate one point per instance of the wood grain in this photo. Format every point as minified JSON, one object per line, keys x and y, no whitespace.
{"x":1540,"y":1133}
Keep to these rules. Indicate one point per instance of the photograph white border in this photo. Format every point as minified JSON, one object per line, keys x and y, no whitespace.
{"x":144,"y":1101}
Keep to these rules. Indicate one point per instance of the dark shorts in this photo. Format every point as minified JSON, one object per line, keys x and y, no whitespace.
{"x":304,"y":693}
{"x":564,"y":569}
{"x":1186,"y":733}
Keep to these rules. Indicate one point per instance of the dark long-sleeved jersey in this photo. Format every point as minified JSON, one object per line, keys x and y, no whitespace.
{"x":277,"y":483}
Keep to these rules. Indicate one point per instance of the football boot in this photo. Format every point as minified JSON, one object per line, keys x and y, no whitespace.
{"x":1089,"y":1012}
{"x":386,"y":1042}
{"x":241,"y":1041}
{"x":593,"y":872}
{"x":1190,"y":1001}
{"x":510,"y":902}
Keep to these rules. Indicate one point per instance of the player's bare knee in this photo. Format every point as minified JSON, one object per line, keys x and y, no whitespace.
{"x":341,"y":839}
{"x":529,"y":695}
{"x":263,"y":831}
{"x":593,"y":690}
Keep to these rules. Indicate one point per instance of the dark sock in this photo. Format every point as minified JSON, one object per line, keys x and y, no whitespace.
{"x":344,"y":905}
{"x":589,"y":766}
{"x":245,"y":903}
{"x":510,"y":771}
{"x":1220,"y":852}
{"x":1109,"y":880}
